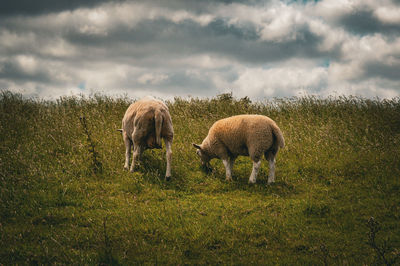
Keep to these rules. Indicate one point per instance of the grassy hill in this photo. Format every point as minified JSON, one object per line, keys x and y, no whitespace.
{"x":65,"y":198}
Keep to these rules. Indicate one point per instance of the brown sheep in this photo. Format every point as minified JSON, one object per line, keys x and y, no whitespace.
{"x":144,"y":124}
{"x":247,"y":135}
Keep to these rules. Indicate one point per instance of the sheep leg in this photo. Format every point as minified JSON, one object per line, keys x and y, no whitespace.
{"x":228,"y":168}
{"x":135,"y":157}
{"x":168,"y":145}
{"x":127,"y":151}
{"x":271,"y":176}
{"x":231,"y":161}
{"x":254,"y":172}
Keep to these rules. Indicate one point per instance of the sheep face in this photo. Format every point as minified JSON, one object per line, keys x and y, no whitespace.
{"x":204,"y":157}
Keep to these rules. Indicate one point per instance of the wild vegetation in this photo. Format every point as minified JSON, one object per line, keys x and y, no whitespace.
{"x":65,"y":198}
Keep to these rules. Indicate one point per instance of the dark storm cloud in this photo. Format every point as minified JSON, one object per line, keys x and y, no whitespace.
{"x":187,"y":38}
{"x":382,"y":70}
{"x":11,"y":70}
{"x":202,"y":5}
{"x":28,"y":7}
{"x":38,"y":7}
{"x":364,"y":22}
{"x":166,"y":38}
{"x":180,"y":82}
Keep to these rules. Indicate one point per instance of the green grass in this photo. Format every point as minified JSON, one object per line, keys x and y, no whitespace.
{"x":59,"y":205}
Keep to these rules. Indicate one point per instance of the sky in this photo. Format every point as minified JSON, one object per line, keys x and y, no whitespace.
{"x":200,"y":48}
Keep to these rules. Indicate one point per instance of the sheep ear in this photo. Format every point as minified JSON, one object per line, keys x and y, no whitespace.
{"x":120,"y":130}
{"x":196,"y":146}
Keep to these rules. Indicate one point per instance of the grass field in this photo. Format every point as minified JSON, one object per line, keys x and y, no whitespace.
{"x":65,"y":198}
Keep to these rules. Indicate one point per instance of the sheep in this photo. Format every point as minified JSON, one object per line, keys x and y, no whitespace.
{"x":247,"y":135}
{"x":144,"y":124}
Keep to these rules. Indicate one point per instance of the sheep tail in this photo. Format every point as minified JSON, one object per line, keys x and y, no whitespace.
{"x":158,"y":120}
{"x":279,"y":136}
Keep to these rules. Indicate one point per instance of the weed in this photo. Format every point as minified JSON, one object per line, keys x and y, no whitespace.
{"x":106,"y":257}
{"x":96,"y":166}
{"x":381,"y":250}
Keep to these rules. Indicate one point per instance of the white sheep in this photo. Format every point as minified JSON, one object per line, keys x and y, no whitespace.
{"x":247,"y":135}
{"x":144,"y":124}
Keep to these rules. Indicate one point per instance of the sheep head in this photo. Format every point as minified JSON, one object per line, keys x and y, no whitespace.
{"x":204,"y":157}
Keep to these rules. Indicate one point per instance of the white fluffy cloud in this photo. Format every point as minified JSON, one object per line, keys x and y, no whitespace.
{"x":280,"y":81}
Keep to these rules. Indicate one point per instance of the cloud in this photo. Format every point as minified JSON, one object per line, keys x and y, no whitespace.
{"x":382,"y":70}
{"x":23,"y":68}
{"x":151,"y":78}
{"x":388,"y":14}
{"x":361,"y":17}
{"x":166,"y":48}
{"x":366,"y":22}
{"x":27,"y":7}
{"x":282,"y":82}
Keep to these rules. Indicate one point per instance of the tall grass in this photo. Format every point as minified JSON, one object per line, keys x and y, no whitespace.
{"x":340,"y":166}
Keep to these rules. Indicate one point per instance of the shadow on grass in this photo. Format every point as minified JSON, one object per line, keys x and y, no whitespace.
{"x":153,"y":165}
{"x":280,"y":188}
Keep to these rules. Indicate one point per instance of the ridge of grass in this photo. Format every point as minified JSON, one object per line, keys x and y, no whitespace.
{"x":340,"y":167}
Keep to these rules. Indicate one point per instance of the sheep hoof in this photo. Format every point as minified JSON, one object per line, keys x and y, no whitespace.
{"x":252,"y":181}
{"x":167,"y":178}
{"x":228,"y":179}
